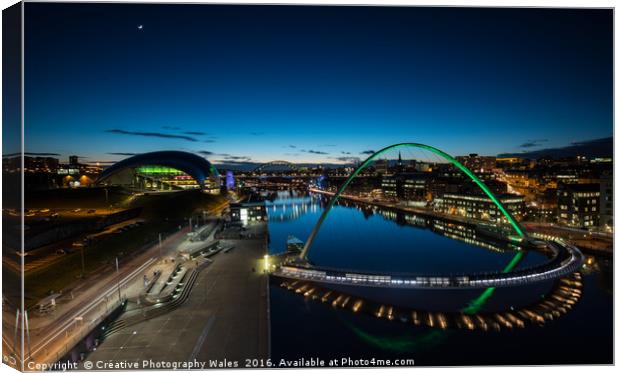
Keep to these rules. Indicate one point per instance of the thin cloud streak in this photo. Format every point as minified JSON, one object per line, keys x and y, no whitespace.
{"x":151,"y":134}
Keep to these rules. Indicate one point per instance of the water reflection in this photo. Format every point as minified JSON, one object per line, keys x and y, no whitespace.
{"x":557,"y":302}
{"x":320,"y":328}
{"x":287,"y":206}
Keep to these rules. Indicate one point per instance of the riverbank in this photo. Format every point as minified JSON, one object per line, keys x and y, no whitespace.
{"x":588,"y":242}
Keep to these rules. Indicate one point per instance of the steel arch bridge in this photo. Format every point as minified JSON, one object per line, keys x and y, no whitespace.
{"x":515,"y":224}
{"x":290,"y":165}
{"x":566,"y":259}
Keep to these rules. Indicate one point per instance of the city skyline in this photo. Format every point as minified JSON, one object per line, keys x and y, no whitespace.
{"x":307,"y":84}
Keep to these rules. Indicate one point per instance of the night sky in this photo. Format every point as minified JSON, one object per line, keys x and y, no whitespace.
{"x":309,"y":84}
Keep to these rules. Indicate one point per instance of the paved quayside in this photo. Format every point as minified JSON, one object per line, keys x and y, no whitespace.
{"x":224,"y":318}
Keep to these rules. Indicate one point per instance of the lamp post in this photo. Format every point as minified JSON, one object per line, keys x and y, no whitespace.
{"x":266,"y":264}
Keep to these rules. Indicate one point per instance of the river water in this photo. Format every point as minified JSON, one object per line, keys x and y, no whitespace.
{"x":378,"y":239}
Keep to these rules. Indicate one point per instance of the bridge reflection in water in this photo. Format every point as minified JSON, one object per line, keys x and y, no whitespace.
{"x":557,"y":302}
{"x":291,"y":208}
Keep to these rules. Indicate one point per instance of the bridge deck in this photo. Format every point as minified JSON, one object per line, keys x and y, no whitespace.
{"x":566,"y":259}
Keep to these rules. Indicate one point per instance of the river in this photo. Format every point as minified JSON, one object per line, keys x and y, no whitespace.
{"x":378,"y":239}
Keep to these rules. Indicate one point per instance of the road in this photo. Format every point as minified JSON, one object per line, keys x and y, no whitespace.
{"x":78,"y":311}
{"x":52,"y":335}
{"x":601,"y":242}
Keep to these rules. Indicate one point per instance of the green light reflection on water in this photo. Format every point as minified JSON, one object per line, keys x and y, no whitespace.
{"x":403,"y":343}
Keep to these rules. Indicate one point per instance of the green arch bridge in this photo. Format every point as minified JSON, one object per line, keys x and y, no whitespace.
{"x":515,"y":224}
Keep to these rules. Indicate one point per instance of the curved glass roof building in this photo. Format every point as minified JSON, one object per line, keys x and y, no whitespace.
{"x":161,"y":169}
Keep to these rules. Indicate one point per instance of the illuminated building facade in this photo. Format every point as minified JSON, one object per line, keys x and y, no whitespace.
{"x":410,"y":187}
{"x":478,"y":206}
{"x":164,"y":177}
{"x":230,"y":180}
{"x":248,"y":212}
{"x":607,"y":200}
{"x":579,"y":205}
{"x":42,"y":173}
{"x":31,"y":164}
{"x":415,"y":187}
{"x":477,"y":163}
{"x":389,"y":187}
{"x":163,"y":171}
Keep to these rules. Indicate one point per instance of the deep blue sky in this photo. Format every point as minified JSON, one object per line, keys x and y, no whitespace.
{"x":260,"y":80}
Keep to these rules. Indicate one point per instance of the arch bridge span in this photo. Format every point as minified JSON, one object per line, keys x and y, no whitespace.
{"x":515,"y":224}
{"x":290,"y":165}
{"x":565,"y":258}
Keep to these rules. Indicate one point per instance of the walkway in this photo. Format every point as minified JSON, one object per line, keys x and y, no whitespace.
{"x":225,"y":317}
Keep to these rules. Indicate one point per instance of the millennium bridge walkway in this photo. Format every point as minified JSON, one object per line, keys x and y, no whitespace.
{"x":565,"y":259}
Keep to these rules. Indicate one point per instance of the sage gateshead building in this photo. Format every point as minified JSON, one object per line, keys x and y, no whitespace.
{"x":163,"y":171}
